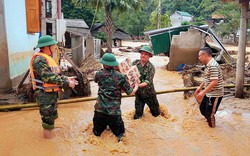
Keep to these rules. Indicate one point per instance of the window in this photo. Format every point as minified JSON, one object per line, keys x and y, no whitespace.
{"x":33,"y":15}
{"x":48,"y":7}
{"x":49,"y":29}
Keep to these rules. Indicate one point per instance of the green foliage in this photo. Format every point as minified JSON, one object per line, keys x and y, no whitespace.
{"x":133,"y":23}
{"x":111,"y":5}
{"x":231,"y":22}
{"x":137,"y":16}
{"x":197,"y":23}
{"x":120,"y":5}
{"x":208,"y":7}
{"x":102,"y":36}
{"x":165,"y":21}
{"x":70,"y":11}
{"x":185,"y":23}
{"x":231,"y":13}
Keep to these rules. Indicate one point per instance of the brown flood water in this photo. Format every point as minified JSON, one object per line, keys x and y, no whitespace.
{"x":181,"y":130}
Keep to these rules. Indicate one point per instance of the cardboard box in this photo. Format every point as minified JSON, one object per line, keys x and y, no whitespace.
{"x":131,"y":72}
{"x":133,"y":76}
{"x":124,"y":65}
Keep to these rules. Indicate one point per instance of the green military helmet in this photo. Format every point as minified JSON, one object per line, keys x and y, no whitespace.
{"x":109,"y":59}
{"x":46,"y":41}
{"x":146,"y":49}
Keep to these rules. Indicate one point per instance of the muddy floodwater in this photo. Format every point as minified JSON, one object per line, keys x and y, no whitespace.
{"x":180,"y":130}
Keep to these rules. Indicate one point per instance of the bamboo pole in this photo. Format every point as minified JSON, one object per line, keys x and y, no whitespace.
{"x":61,"y":102}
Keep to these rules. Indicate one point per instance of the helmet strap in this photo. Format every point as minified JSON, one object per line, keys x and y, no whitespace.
{"x":51,"y":52}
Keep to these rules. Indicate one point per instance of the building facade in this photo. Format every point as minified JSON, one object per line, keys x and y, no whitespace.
{"x":21,"y":25}
{"x":179,"y":16}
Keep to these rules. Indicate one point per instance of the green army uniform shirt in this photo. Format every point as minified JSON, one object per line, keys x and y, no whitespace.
{"x":147,"y":73}
{"x":43,"y":72}
{"x":110,"y":83}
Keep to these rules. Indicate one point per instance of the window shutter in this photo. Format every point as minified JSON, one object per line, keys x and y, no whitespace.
{"x":33,"y":16}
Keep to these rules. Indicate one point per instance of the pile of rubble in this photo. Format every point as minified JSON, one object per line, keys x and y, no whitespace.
{"x":193,"y":75}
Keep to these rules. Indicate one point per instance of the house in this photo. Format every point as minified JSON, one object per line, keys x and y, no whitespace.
{"x":19,"y":35}
{"x":182,"y":44}
{"x":179,"y":16}
{"x":79,"y":39}
{"x":52,"y":22}
{"x":215,"y":19}
{"x":117,"y":36}
{"x":21,"y":25}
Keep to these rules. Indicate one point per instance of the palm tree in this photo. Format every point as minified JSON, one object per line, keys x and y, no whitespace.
{"x":109,"y":6}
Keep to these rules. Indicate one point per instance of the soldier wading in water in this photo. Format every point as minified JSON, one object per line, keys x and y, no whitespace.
{"x":107,"y":107}
{"x":47,"y":81}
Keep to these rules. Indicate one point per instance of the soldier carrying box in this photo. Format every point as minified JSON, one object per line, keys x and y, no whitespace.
{"x":146,"y":92}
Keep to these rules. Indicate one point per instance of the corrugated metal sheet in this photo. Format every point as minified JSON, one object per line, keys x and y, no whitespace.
{"x":182,"y":13}
{"x":161,"y":39}
{"x":161,"y":42}
{"x":120,"y":35}
{"x":79,"y":32}
{"x":76,"y":23}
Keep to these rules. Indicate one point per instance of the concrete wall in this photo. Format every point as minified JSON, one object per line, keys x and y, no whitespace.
{"x":5,"y":82}
{"x":20,"y":44}
{"x":90,"y":47}
{"x":185,"y":47}
{"x":49,"y":20}
{"x":78,"y":49}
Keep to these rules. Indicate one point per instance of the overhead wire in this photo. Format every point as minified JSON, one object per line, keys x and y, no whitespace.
{"x":92,"y":23}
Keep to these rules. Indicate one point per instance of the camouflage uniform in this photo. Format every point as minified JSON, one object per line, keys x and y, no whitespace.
{"x":146,"y":94}
{"x":47,"y":101}
{"x":107,"y":107}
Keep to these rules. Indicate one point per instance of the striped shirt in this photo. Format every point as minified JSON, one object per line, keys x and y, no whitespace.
{"x":213,"y":72}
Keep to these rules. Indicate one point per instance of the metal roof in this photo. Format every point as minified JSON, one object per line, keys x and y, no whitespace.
{"x":76,"y":23}
{"x":118,"y":33}
{"x":79,"y":32}
{"x":182,"y":13}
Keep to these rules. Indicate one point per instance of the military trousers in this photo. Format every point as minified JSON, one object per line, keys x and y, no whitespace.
{"x":101,"y":121}
{"x":152,"y":103}
{"x":48,"y":108}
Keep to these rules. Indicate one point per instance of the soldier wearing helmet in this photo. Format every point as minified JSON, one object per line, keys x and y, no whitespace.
{"x":146,"y":92}
{"x":47,"y":81}
{"x":107,"y":107}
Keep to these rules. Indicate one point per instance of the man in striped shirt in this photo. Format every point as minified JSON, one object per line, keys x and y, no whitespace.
{"x":211,"y":96}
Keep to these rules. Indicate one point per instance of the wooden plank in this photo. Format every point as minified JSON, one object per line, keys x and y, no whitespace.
{"x":23,"y":79}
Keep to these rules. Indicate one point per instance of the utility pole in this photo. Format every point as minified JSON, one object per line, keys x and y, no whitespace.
{"x":159,"y":15}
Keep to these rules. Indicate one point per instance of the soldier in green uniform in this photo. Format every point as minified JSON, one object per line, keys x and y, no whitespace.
{"x":107,"y":107}
{"x":146,"y":92}
{"x":47,"y":81}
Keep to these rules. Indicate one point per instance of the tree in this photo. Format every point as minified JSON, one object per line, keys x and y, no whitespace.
{"x":207,"y":8}
{"x":70,"y":11}
{"x":231,"y":14}
{"x":134,"y":23}
{"x":165,"y":21}
{"x":109,"y":6}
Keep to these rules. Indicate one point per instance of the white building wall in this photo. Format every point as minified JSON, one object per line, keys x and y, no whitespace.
{"x":20,"y":44}
{"x":177,"y":19}
{"x":49,"y":20}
